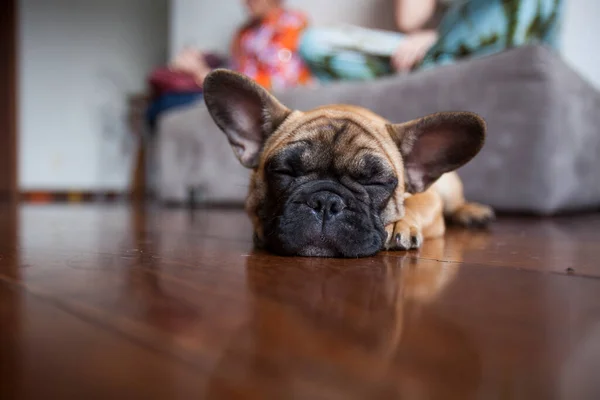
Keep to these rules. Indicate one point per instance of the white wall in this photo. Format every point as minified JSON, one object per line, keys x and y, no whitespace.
{"x":210,"y":26}
{"x":79,"y":59}
{"x":581,"y":31}
{"x":202,"y":24}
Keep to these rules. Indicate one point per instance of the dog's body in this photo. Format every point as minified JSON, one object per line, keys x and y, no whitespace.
{"x":340,"y":180}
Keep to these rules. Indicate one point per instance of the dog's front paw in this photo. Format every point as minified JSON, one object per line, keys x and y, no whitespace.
{"x":403,"y":235}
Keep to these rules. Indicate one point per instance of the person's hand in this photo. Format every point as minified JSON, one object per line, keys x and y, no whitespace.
{"x":412,"y":50}
{"x":201,"y":70}
{"x":186,"y":60}
{"x":191,"y":61}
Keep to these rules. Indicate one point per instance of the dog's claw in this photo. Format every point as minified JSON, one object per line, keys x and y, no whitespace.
{"x":402,"y":242}
{"x":416,"y":241}
{"x":403,"y":236}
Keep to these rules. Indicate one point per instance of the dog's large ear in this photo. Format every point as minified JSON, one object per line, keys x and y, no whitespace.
{"x":436,"y":144}
{"x":247,"y":113}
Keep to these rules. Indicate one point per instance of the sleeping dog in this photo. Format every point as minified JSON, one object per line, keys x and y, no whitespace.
{"x":341,"y":181}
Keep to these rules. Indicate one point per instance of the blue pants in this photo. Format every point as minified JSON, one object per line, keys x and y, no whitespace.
{"x":478,"y":28}
{"x":167,"y":102}
{"x":348,"y":53}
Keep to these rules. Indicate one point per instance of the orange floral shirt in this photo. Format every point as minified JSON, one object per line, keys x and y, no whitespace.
{"x":267,"y":51}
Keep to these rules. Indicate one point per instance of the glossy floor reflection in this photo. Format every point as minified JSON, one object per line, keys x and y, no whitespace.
{"x":111,"y":302}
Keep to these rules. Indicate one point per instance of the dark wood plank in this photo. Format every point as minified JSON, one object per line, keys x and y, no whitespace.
{"x":559,"y":245}
{"x":181,"y":298}
{"x":8,"y":100}
{"x":48,"y":352}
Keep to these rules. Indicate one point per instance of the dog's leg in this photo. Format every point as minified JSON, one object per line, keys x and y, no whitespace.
{"x":456,"y":209}
{"x":423,"y":219}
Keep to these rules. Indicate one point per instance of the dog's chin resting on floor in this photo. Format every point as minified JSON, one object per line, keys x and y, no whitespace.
{"x":341,"y":181}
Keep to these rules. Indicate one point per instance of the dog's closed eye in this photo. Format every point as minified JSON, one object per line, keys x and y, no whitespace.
{"x":294,"y":162}
{"x":370,"y":171}
{"x":286,"y":166}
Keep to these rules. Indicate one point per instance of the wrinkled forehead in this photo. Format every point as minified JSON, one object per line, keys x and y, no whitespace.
{"x":341,"y":143}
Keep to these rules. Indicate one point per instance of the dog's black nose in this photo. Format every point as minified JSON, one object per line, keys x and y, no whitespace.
{"x":326,"y":204}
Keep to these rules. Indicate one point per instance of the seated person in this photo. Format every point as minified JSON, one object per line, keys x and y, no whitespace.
{"x":265,"y":48}
{"x":468,"y":28}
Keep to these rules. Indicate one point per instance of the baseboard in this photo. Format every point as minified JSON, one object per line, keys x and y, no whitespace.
{"x":42,"y":196}
{"x":224,"y":205}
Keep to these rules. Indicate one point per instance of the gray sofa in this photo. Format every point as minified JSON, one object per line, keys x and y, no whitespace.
{"x":542,"y":153}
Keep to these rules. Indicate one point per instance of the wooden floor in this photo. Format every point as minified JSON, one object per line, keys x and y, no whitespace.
{"x":116,"y":303}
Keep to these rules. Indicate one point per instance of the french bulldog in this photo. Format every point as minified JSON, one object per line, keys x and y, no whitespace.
{"x":340,"y":180}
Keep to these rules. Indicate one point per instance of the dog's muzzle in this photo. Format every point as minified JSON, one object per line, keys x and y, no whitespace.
{"x":324,"y":218}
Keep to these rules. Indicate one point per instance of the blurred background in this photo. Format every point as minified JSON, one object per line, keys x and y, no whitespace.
{"x":81,"y":77}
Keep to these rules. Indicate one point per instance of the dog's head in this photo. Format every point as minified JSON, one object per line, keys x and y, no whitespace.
{"x":326,"y":182}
